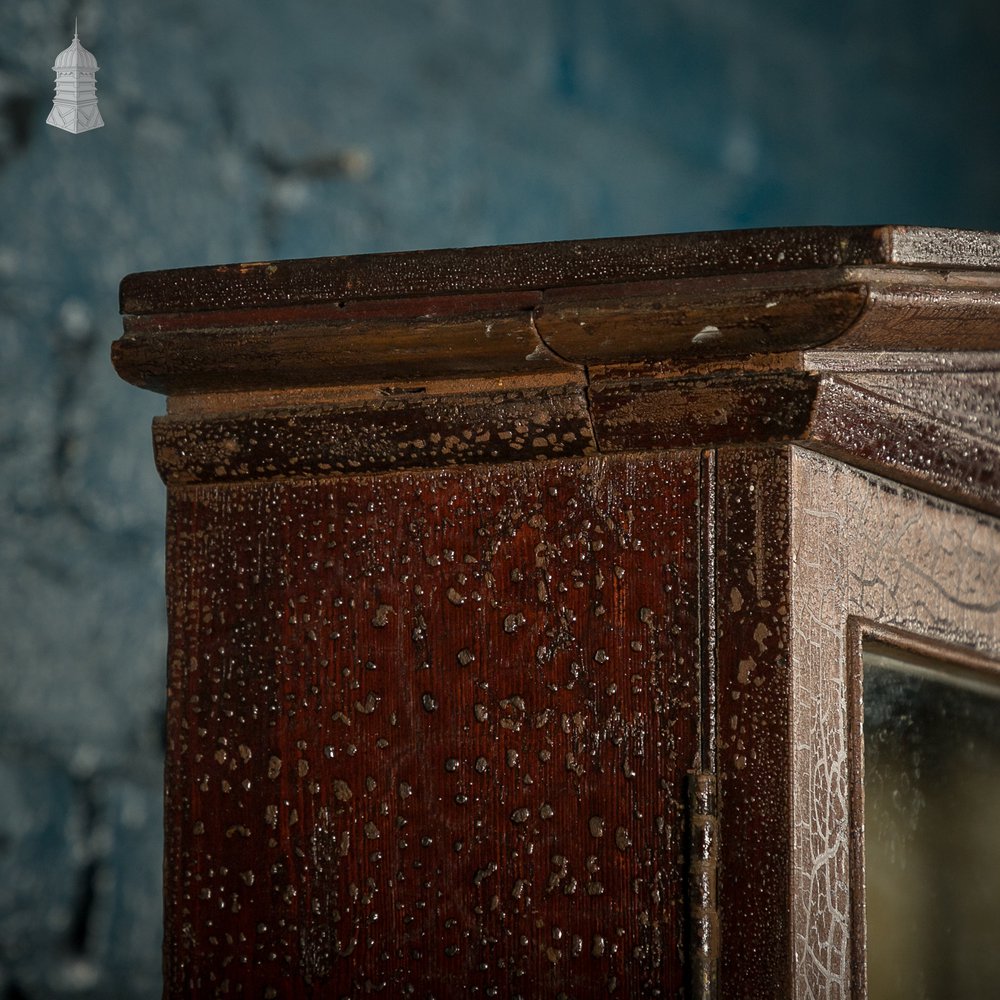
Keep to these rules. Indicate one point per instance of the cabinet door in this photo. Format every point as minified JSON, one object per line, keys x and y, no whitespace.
{"x":895,"y":639}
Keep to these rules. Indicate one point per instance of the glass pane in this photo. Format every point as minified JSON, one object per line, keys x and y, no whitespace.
{"x":932,"y":829}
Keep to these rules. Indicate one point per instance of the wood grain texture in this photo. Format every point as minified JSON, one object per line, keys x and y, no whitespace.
{"x":935,"y":434}
{"x":699,"y":340}
{"x":754,"y":692}
{"x":430,"y":732}
{"x":690,"y":321}
{"x":680,"y":328}
{"x":395,"y":432}
{"x":430,"y":727}
{"x":934,"y":312}
{"x":305,"y":350}
{"x":862,"y":548}
{"x":968,"y":400}
{"x":493,"y":269}
{"x":901,"y":361}
{"x":698,"y":318}
{"x":676,"y":413}
{"x":939,"y":432}
{"x":550,"y":265}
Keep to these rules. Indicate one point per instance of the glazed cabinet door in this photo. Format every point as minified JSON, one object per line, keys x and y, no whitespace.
{"x":895,"y":713}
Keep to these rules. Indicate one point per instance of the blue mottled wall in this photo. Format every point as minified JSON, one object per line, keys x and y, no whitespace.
{"x":253,"y":130}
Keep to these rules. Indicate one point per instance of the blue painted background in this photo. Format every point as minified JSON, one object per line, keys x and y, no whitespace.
{"x":250,"y":130}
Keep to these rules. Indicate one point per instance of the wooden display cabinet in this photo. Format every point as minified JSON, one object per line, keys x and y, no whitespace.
{"x":521,"y":603}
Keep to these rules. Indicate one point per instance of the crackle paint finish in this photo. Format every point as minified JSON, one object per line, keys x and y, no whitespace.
{"x":430,"y":731}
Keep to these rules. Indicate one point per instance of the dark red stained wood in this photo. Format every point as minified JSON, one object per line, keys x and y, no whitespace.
{"x":380,"y":351}
{"x":698,"y":319}
{"x":431,"y":731}
{"x":440,"y":307}
{"x":754,"y":683}
{"x":689,"y":321}
{"x":549,"y":265}
{"x":398,"y":432}
{"x":937,"y":432}
{"x":680,"y":413}
{"x":493,"y":269}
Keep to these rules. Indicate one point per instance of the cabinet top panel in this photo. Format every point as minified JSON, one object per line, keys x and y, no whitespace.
{"x":542,"y":266}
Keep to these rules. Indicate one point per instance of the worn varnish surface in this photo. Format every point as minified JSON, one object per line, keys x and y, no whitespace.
{"x":929,"y":445}
{"x":699,"y":340}
{"x":430,"y":732}
{"x":390,"y":432}
{"x":552,"y":265}
{"x":690,"y":298}
{"x":935,"y":432}
{"x":548,"y":265}
{"x":754,"y":683}
{"x":479,"y":560}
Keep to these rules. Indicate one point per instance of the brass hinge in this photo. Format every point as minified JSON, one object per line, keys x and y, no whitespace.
{"x":703,"y":915}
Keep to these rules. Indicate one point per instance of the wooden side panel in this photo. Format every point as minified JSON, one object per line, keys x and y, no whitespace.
{"x":754,"y":689}
{"x":428,"y":732}
{"x":863,"y":550}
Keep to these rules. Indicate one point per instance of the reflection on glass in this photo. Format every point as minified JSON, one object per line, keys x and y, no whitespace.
{"x":932,"y":829}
